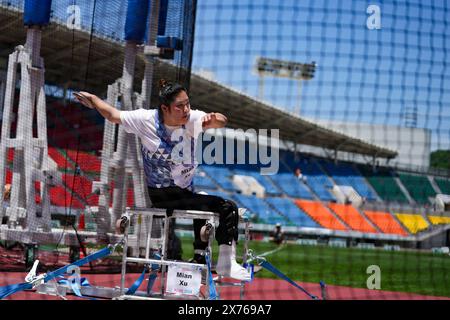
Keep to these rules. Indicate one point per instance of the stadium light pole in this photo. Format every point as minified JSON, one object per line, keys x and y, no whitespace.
{"x":284,"y":69}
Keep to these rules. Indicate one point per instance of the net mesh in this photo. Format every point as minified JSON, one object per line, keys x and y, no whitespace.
{"x":370,"y":226}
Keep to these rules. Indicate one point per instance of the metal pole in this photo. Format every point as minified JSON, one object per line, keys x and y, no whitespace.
{"x":261,"y":87}
{"x":149,"y":237}
{"x":124,"y":260}
{"x":245,"y":256}
{"x":299,"y":98}
{"x":164,"y":253}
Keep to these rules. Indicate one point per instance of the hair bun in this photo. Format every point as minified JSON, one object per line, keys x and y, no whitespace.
{"x":162,"y":83}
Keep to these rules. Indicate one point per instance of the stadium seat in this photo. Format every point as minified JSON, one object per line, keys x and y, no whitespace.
{"x":413,"y":222}
{"x":439,"y":219}
{"x":92,"y":200}
{"x":87,"y":130}
{"x":203,"y":181}
{"x":352,"y":217}
{"x":59,"y":197}
{"x":296,"y":215}
{"x":344,"y":174}
{"x":10,"y":154}
{"x":221,"y":194}
{"x":261,"y":209}
{"x":221,"y":175}
{"x":8,"y":176}
{"x":291,"y":186}
{"x":130,"y":198}
{"x":385,"y":222}
{"x":443,"y":184}
{"x":37,"y":190}
{"x":270,"y":188}
{"x":384,"y":184}
{"x":58,"y":156}
{"x":316,"y":179}
{"x":319,"y":213}
{"x":87,"y":162}
{"x":418,"y":187}
{"x":82,"y":186}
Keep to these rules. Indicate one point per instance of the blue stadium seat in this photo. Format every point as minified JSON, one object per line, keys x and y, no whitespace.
{"x":344,"y":174}
{"x":317,"y":180}
{"x":296,"y":215}
{"x":221,"y":194}
{"x":268,"y":185}
{"x":260,"y":208}
{"x":221,"y":175}
{"x":291,"y":186}
{"x":203,"y":181}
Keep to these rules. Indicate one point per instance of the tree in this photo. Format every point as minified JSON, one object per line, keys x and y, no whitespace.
{"x":440,"y":159}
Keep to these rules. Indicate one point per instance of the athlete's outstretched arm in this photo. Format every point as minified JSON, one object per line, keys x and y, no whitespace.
{"x":214,"y":120}
{"x":92,"y":101}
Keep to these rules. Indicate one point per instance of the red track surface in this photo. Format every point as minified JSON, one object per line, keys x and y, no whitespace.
{"x":260,"y":289}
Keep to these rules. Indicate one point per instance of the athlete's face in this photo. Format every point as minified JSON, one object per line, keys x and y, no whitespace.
{"x":177,"y":113}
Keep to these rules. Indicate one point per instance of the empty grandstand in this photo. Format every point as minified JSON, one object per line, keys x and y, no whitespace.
{"x":419,"y":187}
{"x":344,"y":197}
{"x":296,"y":204}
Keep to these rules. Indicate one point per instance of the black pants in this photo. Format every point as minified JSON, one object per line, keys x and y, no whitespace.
{"x":183,"y":199}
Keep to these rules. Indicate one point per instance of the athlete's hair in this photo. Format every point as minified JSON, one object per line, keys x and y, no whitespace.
{"x":168,"y":92}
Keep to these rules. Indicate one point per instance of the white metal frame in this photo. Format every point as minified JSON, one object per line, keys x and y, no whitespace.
{"x":147,"y":215}
{"x":31,"y":161}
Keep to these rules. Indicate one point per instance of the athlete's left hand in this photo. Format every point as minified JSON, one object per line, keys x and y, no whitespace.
{"x":208,"y":120}
{"x":214,"y":120}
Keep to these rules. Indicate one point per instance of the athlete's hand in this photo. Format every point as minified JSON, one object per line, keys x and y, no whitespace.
{"x":214,"y":120}
{"x":85,"y":98}
{"x":208,"y":120}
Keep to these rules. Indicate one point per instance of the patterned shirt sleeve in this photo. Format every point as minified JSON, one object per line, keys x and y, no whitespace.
{"x":133,"y":121}
{"x":196,"y":122}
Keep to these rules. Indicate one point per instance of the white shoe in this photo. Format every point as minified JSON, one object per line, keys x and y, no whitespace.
{"x":227,"y":265}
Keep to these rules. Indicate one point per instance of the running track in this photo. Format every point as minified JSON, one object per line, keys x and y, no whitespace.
{"x":260,"y":289}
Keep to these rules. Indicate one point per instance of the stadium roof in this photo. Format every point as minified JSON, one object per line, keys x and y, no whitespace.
{"x":66,"y":51}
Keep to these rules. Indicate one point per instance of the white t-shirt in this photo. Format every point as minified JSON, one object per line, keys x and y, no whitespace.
{"x":168,"y":152}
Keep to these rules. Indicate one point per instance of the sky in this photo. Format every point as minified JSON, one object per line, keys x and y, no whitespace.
{"x":367,"y":76}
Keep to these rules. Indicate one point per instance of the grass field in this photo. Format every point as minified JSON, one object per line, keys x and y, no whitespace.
{"x":402,"y":271}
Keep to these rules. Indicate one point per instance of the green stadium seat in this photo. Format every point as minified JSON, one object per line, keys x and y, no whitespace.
{"x":418,"y":187}
{"x":443,"y":184}
{"x":384,"y":184}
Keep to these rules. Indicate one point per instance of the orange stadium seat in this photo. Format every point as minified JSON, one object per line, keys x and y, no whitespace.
{"x":319,"y":213}
{"x":352,"y":217}
{"x":385,"y":222}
